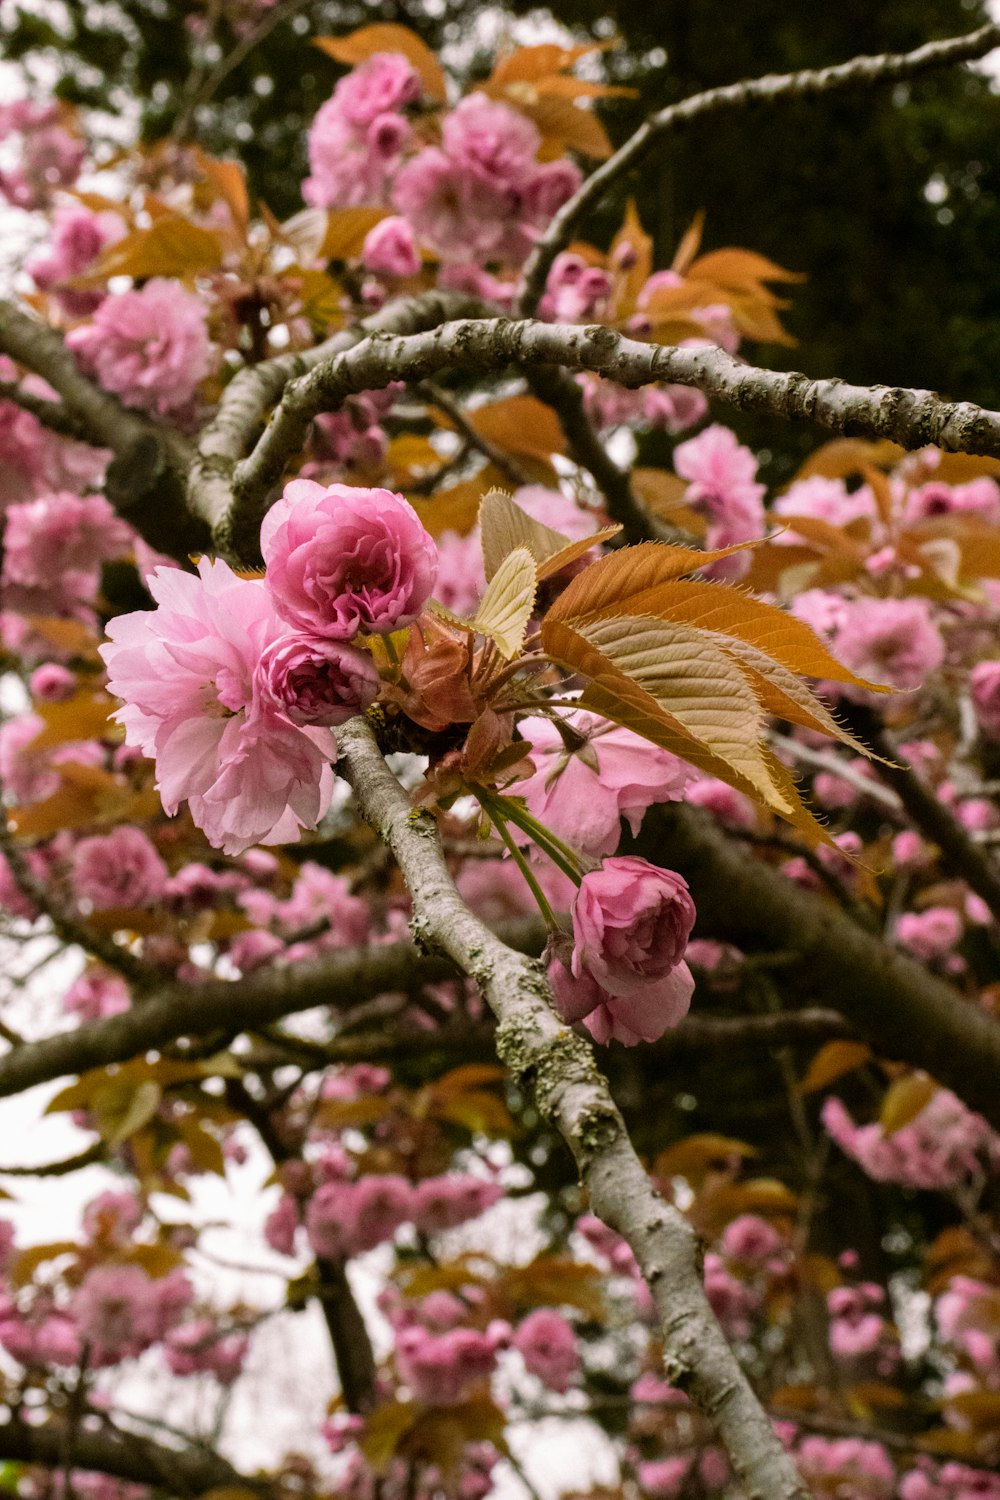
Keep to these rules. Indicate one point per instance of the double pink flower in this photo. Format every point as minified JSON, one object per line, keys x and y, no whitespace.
{"x":627,"y":978}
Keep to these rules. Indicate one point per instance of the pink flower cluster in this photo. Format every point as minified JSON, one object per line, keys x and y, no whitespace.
{"x":53,"y":550}
{"x":50,"y":157}
{"x":482,"y":196}
{"x":357,"y":139}
{"x":942,"y":1147}
{"x":722,"y":482}
{"x":231,"y":684}
{"x":149,"y":346}
{"x":626,"y":977}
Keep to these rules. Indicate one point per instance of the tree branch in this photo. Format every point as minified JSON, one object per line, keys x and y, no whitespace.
{"x":144,"y":481}
{"x":505,"y":462}
{"x":127,"y":1456}
{"x":341,"y":978}
{"x":887,"y":67}
{"x":569,"y":1090}
{"x":912,"y":418}
{"x":248,"y":396}
{"x":903,"y":1010}
{"x":51,"y":414}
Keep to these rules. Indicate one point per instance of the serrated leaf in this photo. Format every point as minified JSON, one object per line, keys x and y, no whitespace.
{"x":172,"y":246}
{"x":681,"y":678}
{"x":388,"y":37}
{"x":832,"y":1061}
{"x":529,"y":64}
{"x":621,"y":576}
{"x":905,"y":1099}
{"x":508,"y":602}
{"x":504,"y":526}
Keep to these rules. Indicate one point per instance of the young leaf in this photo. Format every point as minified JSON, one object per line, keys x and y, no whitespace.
{"x":507,"y":604}
{"x":173,"y":246}
{"x":504,"y":526}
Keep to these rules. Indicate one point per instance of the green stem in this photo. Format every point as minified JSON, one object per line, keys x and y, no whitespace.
{"x":512,"y":812}
{"x":525,"y":869}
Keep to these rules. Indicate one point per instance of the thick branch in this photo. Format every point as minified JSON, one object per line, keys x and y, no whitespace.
{"x":888,"y":67}
{"x":179,"y":1471}
{"x":250,"y":394}
{"x":904,"y":1011}
{"x":912,"y":418}
{"x":342,"y":978}
{"x":144,"y":480}
{"x":51,"y":414}
{"x":570,"y":1091}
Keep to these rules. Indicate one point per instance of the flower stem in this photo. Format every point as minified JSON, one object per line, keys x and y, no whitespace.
{"x":501,"y":827}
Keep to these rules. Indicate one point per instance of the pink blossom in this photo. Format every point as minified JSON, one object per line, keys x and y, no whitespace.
{"x":199,"y":1347}
{"x":186,"y":673}
{"x":892,"y":641}
{"x":52,"y":683}
{"x":347,"y":1218}
{"x":460,"y":579}
{"x":631,"y":923}
{"x":390,"y":249}
{"x":722,"y":481}
{"x":149,"y":346}
{"x":454,"y":212}
{"x":930,"y":934}
{"x":445,"y":1202}
{"x":50,"y":158}
{"x":596,"y":773}
{"x":722,"y":801}
{"x":663,"y":1478}
{"x":313,"y":680}
{"x":861,"y":1469}
{"x":112,"y":1218}
{"x":550,"y":185}
{"x":547,"y":1344}
{"x":826,"y":500}
{"x":979,"y":497}
{"x":345,"y":170}
{"x":382,"y":83}
{"x":440,"y":1368}
{"x":60,"y":534}
{"x":26,"y":774}
{"x":340,"y":560}
{"x":750,"y":1238}
{"x":113,"y":1313}
{"x":78,"y":237}
{"x":641,"y":1016}
{"x":940,"y":1148}
{"x":97,"y":994}
{"x":558,"y":511}
{"x":121,"y":868}
{"x":281,"y":1224}
{"x":984,"y":685}
{"x":491,"y":140}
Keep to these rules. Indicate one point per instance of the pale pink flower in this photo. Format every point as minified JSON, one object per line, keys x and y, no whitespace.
{"x":582,"y":789}
{"x":454,"y":212}
{"x":113,"y":1312}
{"x":460,"y":577}
{"x":445,"y":1202}
{"x":112,"y":1218}
{"x":663,"y":1478}
{"x":52,"y":683}
{"x":122,"y":868}
{"x":345,"y":170}
{"x":186,"y":674}
{"x":78,"y":237}
{"x":631,"y":923}
{"x":96,"y":994}
{"x":941,"y":1148}
{"x":149,"y":346}
{"x":892,"y":641}
{"x":26,"y":774}
{"x":281,"y":1224}
{"x":722,"y":481}
{"x":440,"y":1368}
{"x":383,"y":83}
{"x":200,"y":1348}
{"x":826,"y":500}
{"x":347,"y":1218}
{"x":931,"y":933}
{"x":550,"y":185}
{"x":314,"y":680}
{"x":58,"y":534}
{"x":750,"y":1238}
{"x":340,"y":560}
{"x":641,"y":1016}
{"x":546,"y":1342}
{"x":390,"y":249}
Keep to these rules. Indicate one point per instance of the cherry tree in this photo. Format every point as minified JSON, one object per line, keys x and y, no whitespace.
{"x":360,"y":664}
